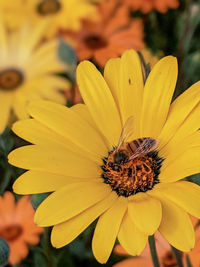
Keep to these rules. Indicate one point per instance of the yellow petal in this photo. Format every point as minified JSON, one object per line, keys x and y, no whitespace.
{"x":172,"y":150}
{"x":37,"y":133}
{"x":46,"y":49}
{"x":64,"y":233}
{"x":29,"y":39}
{"x":107,"y":229}
{"x":52,"y":94}
{"x":146,"y":213}
{"x":55,"y":82}
{"x":46,"y":65}
{"x":34,"y":182}
{"x":4,"y":46}
{"x":183,"y":118}
{"x":111,"y":76}
{"x":60,"y":161}
{"x":69,"y":201}
{"x":99,"y":100}
{"x":131,"y":239}
{"x":20,"y":105}
{"x":185,"y":194}
{"x":158,"y":92}
{"x":184,"y":165}
{"x":131,"y":88}
{"x":68,"y":124}
{"x":5,"y":108}
{"x":83,"y":111}
{"x":176,"y":226}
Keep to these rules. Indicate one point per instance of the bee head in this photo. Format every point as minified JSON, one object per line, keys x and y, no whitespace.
{"x":120,"y":157}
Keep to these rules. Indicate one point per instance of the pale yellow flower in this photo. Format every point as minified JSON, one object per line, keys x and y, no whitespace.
{"x":27,"y":71}
{"x":64,"y":14}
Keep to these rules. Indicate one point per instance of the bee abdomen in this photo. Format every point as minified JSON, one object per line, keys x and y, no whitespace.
{"x":135,"y":144}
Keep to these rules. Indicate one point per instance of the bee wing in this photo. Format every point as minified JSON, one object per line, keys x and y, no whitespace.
{"x":126,"y":131}
{"x":148,"y":145}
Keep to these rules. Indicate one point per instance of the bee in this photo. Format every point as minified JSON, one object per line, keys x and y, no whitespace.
{"x":127,"y":151}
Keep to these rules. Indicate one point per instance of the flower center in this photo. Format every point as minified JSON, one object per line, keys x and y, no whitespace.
{"x":95,"y":42}
{"x":10,"y":79}
{"x":49,"y":7}
{"x":130,"y":177}
{"x":11,"y":232}
{"x":169,"y":260}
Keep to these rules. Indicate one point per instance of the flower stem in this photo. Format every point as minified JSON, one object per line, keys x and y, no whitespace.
{"x":178,"y":255}
{"x":188,"y":261}
{"x":47,"y":248}
{"x":154,"y":256}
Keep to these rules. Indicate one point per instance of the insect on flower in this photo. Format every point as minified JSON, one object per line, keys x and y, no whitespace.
{"x":127,"y":151}
{"x":146,"y":194}
{"x":131,"y":159}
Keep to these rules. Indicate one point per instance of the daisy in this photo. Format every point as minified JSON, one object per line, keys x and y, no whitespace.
{"x":17,"y":226}
{"x":109,"y":37}
{"x":27,"y":70}
{"x":64,"y":14}
{"x":73,"y":156}
{"x":146,"y":6}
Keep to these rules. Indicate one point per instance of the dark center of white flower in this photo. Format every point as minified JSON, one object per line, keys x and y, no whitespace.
{"x":48,"y":7}
{"x":10,"y":79}
{"x":131,"y":177}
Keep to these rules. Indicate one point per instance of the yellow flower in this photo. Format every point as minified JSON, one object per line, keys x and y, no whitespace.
{"x":26,"y":71}
{"x":70,"y":157}
{"x":63,"y":13}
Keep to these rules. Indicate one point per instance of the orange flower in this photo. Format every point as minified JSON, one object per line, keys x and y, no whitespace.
{"x":145,"y":6}
{"x":165,"y":255}
{"x":17,"y":226}
{"x":109,"y":37}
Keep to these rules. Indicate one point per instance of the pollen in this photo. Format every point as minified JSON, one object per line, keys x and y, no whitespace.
{"x":134,"y":176}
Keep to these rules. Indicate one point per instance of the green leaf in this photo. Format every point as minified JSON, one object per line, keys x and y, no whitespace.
{"x":194,"y":178}
{"x":68,"y":55}
{"x":5,"y":179}
{"x":39,"y":259}
{"x":6,"y":142}
{"x":37,"y":199}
